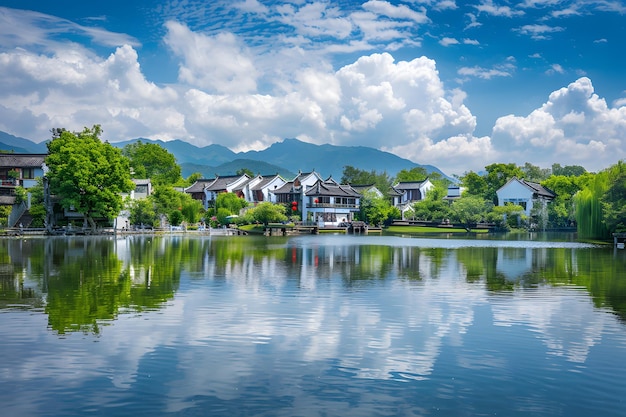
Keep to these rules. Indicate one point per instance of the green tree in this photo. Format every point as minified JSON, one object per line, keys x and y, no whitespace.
{"x":589,"y":211}
{"x":245,"y":171}
{"x":192,"y":210}
{"x":497,"y":176}
{"x":166,"y":199}
{"x":356,"y":176}
{"x":87,"y":174}
{"x":175,"y":217}
{"x":474,"y":184}
{"x":534,"y":173}
{"x":470,"y":210}
{"x":413,"y":174}
{"x":230,"y":202}
{"x":377,"y":210}
{"x":151,"y":160}
{"x":614,"y":199}
{"x":561,"y":209}
{"x":142,"y":212}
{"x":568,"y":170}
{"x":267,"y":212}
{"x":433,"y":207}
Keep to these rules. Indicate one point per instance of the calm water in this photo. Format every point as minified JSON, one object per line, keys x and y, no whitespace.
{"x":311,"y":326}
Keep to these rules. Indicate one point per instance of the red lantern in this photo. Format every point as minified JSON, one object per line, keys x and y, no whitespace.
{"x":294,"y":208}
{"x":316,"y":201}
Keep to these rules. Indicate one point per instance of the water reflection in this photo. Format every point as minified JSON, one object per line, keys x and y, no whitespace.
{"x":338,"y":325}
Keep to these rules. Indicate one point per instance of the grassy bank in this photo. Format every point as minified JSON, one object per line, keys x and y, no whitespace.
{"x":428,"y":229}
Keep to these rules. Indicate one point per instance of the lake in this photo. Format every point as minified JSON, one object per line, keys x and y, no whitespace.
{"x":326,"y":325}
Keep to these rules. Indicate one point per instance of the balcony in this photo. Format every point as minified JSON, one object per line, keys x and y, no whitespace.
{"x":331,"y":205}
{"x":11,"y":182}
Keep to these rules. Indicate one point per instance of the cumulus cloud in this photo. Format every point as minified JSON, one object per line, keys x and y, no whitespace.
{"x":73,"y":90}
{"x":219,"y":63}
{"x":488,"y":7}
{"x":571,"y":126}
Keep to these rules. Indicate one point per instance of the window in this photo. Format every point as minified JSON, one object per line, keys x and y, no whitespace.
{"x":28,"y":173}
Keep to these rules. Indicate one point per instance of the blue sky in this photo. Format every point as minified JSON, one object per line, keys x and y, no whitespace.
{"x":458,"y":85}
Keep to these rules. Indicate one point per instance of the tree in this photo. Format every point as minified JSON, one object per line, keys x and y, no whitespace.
{"x":474,"y":184}
{"x":470,"y":210}
{"x":561,"y":209}
{"x":413,"y":174}
{"x":142,"y":212}
{"x":151,"y":160}
{"x":245,"y":171}
{"x":230,"y":202}
{"x":497,"y":176}
{"x":356,"y":176}
{"x":87,"y":174}
{"x":534,"y":173}
{"x":614,"y":199}
{"x":568,"y":170}
{"x":267,"y":212}
{"x":377,"y":210}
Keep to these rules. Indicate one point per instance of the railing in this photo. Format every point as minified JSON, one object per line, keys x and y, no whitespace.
{"x":330,"y":205}
{"x":8,"y":183}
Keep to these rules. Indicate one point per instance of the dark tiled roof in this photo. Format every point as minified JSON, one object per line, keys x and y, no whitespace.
{"x":222,"y":183}
{"x":198,"y":186}
{"x":409,"y":185}
{"x":288,"y":188}
{"x":329,"y":189}
{"x":16,"y":160}
{"x":539,"y":189}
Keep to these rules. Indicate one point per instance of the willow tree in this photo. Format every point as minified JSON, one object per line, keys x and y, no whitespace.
{"x":589,"y":211}
{"x":86,"y":174}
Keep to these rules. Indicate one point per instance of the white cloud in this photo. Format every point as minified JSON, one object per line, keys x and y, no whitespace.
{"x":505,"y":69}
{"x":219,"y":63}
{"x":574,"y":126}
{"x":555,"y":69}
{"x":448,"y":41}
{"x":538,"y":32}
{"x":488,"y":7}
{"x":385,"y":8}
{"x":471,"y":42}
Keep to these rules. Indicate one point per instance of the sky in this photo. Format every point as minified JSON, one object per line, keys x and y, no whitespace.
{"x":454,"y":84}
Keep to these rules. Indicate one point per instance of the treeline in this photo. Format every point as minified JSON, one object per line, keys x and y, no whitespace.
{"x":594,"y":202}
{"x":90,"y":176}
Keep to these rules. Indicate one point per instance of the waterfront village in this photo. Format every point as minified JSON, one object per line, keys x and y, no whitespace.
{"x":318,"y":202}
{"x":86,"y":186}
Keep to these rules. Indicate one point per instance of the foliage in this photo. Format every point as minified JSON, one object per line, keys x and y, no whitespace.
{"x":413,"y":174}
{"x":191,"y":179}
{"x":433,"y":207}
{"x":377,"y":210}
{"x":474,"y":184}
{"x":151,"y":160}
{"x":5,"y":211}
{"x":356,"y":176}
{"x":37,"y":209}
{"x":561,"y":209}
{"x":614,"y":199}
{"x":142,"y":212}
{"x":175,"y":217}
{"x":470,"y":210}
{"x":589,"y":214}
{"x":167,"y":200}
{"x":568,"y":170}
{"x":87,"y":174}
{"x":267,"y":212}
{"x":20,"y":195}
{"x":245,"y":171}
{"x":192,"y":210}
{"x":534,"y":173}
{"x":507,"y":216}
{"x":230,"y":202}
{"x":497,"y":176}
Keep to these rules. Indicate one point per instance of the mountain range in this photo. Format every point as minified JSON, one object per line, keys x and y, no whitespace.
{"x":286,"y":158}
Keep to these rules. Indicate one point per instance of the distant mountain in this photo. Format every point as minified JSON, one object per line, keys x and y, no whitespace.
{"x":229,"y":168}
{"x":211,"y":155}
{"x":286,"y":158}
{"x":329,"y":160}
{"x":20,"y":145}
